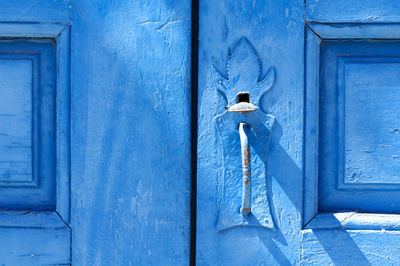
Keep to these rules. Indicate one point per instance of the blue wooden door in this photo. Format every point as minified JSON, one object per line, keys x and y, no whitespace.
{"x":298,"y":133}
{"x":95,"y":132}
{"x":295,"y":122}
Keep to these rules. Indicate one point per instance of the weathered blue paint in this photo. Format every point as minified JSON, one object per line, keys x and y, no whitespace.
{"x":230,"y":180}
{"x":27,"y":115}
{"x":245,"y":208}
{"x":273,"y":36}
{"x":355,"y":11}
{"x":244,"y":75}
{"x":131,"y":177}
{"x":237,"y":149}
{"x":355,"y":221}
{"x":36,"y":11}
{"x":350,"y":141}
{"x":359,"y":148}
{"x":319,"y":196}
{"x":130,"y":134}
{"x":35,"y":107}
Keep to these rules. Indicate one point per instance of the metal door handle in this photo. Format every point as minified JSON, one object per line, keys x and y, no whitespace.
{"x":244,"y":121}
{"x":245,"y":209}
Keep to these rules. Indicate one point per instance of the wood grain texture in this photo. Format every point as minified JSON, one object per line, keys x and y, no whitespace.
{"x":32,"y":29}
{"x":35,"y":11}
{"x":355,"y":30}
{"x":355,"y":11}
{"x":131,"y":132}
{"x":34,"y":246}
{"x":347,"y":247}
{"x":27,"y":118}
{"x":16,"y":119}
{"x":33,"y":236}
{"x":358,"y":140}
{"x":355,"y":221}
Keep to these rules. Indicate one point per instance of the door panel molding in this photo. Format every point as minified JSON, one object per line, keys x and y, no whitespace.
{"x":60,"y":33}
{"x":315,"y":34}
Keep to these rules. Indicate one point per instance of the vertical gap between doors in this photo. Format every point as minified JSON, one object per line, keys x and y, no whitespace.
{"x":194,"y":108}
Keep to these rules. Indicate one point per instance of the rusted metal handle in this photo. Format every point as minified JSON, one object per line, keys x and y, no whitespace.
{"x":245,"y":209}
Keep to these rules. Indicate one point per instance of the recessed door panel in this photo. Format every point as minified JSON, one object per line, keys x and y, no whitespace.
{"x":359,"y":126}
{"x":371,"y":88}
{"x":27,"y":118}
{"x":352,"y":185}
{"x":34,"y":143}
{"x":16,"y":119}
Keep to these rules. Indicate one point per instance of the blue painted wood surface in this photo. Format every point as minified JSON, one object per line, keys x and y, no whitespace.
{"x":34,"y":246}
{"x":351,"y":140}
{"x":131,"y":132}
{"x":16,"y":113}
{"x":275,"y":30}
{"x":350,"y":134}
{"x":37,"y":11}
{"x":334,"y":96}
{"x":230,"y":182}
{"x":35,"y":79}
{"x":350,"y":247}
{"x":27,"y":116}
{"x":359,"y":139}
{"x":354,"y":11}
{"x":243,"y":72}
